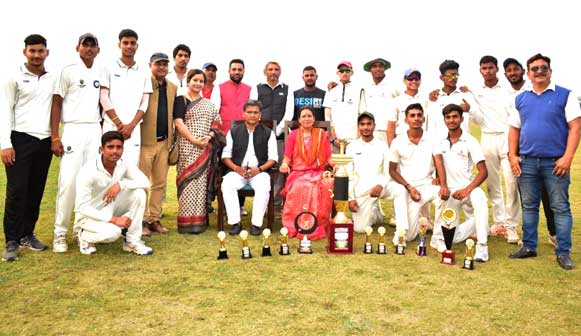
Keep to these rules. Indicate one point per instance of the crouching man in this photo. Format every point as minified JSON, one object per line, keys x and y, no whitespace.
{"x":110,"y":199}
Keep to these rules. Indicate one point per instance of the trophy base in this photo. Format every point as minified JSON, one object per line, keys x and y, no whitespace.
{"x":340,"y":237}
{"x":305,"y":247}
{"x":223,"y":255}
{"x":400,"y":250}
{"x":284,"y":250}
{"x":381,"y":249}
{"x":266,"y":251}
{"x":246,"y":253}
{"x":468,"y":264}
{"x":421,"y":251}
{"x":368,"y":248}
{"x":448,"y":257}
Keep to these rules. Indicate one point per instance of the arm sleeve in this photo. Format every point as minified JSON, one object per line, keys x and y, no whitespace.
{"x":133,"y":179}
{"x":289,"y":147}
{"x":179,"y":108}
{"x":288,"y":114}
{"x":84,"y":197}
{"x":227,"y":151}
{"x":572,"y":109}
{"x":253,"y":93}
{"x":383,"y":178}
{"x":9,"y":89}
{"x":144,"y":102}
{"x":105,"y":100}
{"x":272,"y":148}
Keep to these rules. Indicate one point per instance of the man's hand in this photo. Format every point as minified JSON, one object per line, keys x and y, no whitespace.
{"x":122,"y":222}
{"x":444,"y":192}
{"x":434,"y":95}
{"x":515,"y":164}
{"x":241,"y":171}
{"x":464,"y":89}
{"x":251,"y":172}
{"x":376,"y":191}
{"x":57,"y":148}
{"x":8,"y":156}
{"x":353,"y":206}
{"x":462,"y":193}
{"x":414,"y":194}
{"x":128,"y":130}
{"x":123,"y":129}
{"x":112,"y":193}
{"x":465,"y":106}
{"x":331,"y":85}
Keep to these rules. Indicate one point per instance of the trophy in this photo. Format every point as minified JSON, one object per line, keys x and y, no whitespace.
{"x":368,"y":248}
{"x":284,"y":250}
{"x":422,"y":237}
{"x":305,"y":224}
{"x":266,"y":243}
{"x":245,"y":249}
{"x":449,"y":217}
{"x":381,"y":249}
{"x":340,"y":229}
{"x":400,"y":247}
{"x":223,"y":254}
{"x":469,"y":259}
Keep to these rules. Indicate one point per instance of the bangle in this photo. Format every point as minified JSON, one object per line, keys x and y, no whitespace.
{"x":55,"y":139}
{"x":259,"y":169}
{"x":407,"y":186}
{"x":115,"y":118}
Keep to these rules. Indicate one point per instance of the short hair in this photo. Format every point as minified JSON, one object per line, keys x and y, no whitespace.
{"x":272,"y":62}
{"x":451,"y":108}
{"x":34,"y":39}
{"x":448,"y":65}
{"x":182,"y":47}
{"x":537,"y":57}
{"x":510,"y":61}
{"x":252,"y":102}
{"x":309,"y":68}
{"x":489,"y":59}
{"x":192,"y":72}
{"x":128,"y":33}
{"x":415,"y":106}
{"x":110,"y":136}
{"x":236,"y":60}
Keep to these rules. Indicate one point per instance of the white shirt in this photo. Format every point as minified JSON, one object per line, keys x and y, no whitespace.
{"x":492,"y":110}
{"x":415,"y":162}
{"x":250,"y":158}
{"x":400,"y":103}
{"x":79,"y":87}
{"x":182,"y":85}
{"x":94,"y":180}
{"x":459,"y":159}
{"x":126,"y":88}
{"x":215,"y":96}
{"x":379,"y":99}
{"x":370,"y":166}
{"x":25,"y":105}
{"x":435,"y":123}
{"x":343,"y":100}
{"x":288,"y":110}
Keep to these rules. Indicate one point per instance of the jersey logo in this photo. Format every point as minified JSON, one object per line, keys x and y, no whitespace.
{"x":96,"y":84}
{"x":82,"y":83}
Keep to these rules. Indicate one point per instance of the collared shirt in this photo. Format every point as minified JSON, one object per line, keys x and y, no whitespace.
{"x":25,"y":105}
{"x":250,"y":158}
{"x":415,"y":162}
{"x":79,"y":87}
{"x":343,"y":100}
{"x":435,"y":123}
{"x":492,"y":110}
{"x":182,"y":85}
{"x":400,"y":103}
{"x":289,"y":107}
{"x":459,"y":159}
{"x":370,"y":166}
{"x":93,"y":182}
{"x":161,"y":125}
{"x":379,"y":98}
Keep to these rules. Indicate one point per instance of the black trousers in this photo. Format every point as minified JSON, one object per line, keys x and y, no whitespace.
{"x":25,"y":184}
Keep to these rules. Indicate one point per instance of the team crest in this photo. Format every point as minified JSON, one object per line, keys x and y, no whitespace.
{"x":82,"y":83}
{"x":69,"y":150}
{"x":96,"y":84}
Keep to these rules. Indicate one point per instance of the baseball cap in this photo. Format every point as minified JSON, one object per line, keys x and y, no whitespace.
{"x":346,"y":63}
{"x":209,"y":64}
{"x":365,"y":114}
{"x":410,"y":71}
{"x":88,"y":36}
{"x":158,"y":56}
{"x":386,"y":64}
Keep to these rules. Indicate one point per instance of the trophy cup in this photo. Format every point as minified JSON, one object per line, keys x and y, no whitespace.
{"x":245,"y":249}
{"x":422,"y":237}
{"x":400,"y":247}
{"x":469,"y":259}
{"x":284,"y":249}
{"x":266,"y":243}
{"x":305,"y":224}
{"x":368,"y":248}
{"x":381,"y":248}
{"x":449,"y":217}
{"x":340,"y":229}
{"x":223,"y":254}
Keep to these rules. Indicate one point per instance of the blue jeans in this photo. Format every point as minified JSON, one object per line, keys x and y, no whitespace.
{"x":537,"y":173}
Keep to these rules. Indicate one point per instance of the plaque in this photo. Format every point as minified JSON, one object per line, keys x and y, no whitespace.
{"x":223,"y":253}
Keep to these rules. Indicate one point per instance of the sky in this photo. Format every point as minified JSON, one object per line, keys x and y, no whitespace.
{"x":419,"y":34}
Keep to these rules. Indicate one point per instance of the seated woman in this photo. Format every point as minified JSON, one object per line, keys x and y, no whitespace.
{"x":307,"y":154}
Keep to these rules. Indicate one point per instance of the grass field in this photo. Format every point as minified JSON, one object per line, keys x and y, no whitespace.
{"x":183,"y":290}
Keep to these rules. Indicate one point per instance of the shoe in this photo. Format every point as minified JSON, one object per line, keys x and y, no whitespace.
{"x":138,"y":248}
{"x":85,"y":247}
{"x":497,"y":229}
{"x":565,"y":262}
{"x":438,"y":245}
{"x":32,"y":243}
{"x":243,"y":212}
{"x":553,"y":241}
{"x":11,"y":251}
{"x":156,"y":227}
{"x":391,"y":221}
{"x":197,"y":229}
{"x":481,"y":254}
{"x":255,"y":230}
{"x":235,"y":229}
{"x":59,"y":243}
{"x":511,"y":236}
{"x":523,"y":253}
{"x":145,"y":229}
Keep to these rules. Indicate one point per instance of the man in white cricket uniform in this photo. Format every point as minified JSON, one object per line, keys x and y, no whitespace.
{"x":178,"y":73}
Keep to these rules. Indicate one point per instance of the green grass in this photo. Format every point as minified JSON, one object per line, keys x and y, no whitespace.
{"x":183,"y":290}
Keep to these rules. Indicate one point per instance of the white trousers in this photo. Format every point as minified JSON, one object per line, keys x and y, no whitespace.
{"x":370,"y":212}
{"x":429,"y":194}
{"x":131,"y":146}
{"x":495,"y":149}
{"x":81,"y":143}
{"x":232,"y":182}
{"x":475,"y":209}
{"x":130,"y":203}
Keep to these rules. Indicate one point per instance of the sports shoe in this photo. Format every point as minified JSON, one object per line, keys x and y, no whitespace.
{"x":553,"y":241}
{"x":84,"y":246}
{"x":59,"y":243}
{"x":438,"y":245}
{"x":243,"y":212}
{"x":481,"y":254}
{"x":137,"y":247}
{"x":497,"y":229}
{"x":32,"y":243}
{"x":511,"y":236}
{"x":11,"y":251}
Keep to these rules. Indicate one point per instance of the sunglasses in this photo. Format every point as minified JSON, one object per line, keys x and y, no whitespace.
{"x":452,"y":75}
{"x":413,"y":79}
{"x":345,"y":70}
{"x":542,"y":68}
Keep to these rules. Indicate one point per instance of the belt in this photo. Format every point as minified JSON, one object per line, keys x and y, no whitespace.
{"x":161,"y":138}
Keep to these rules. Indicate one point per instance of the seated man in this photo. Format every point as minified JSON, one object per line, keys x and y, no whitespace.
{"x":370,"y":180}
{"x":249,"y":153}
{"x":412,"y":161}
{"x":461,"y":152}
{"x":110,"y":199}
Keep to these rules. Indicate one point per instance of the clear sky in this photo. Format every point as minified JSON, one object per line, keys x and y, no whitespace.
{"x":296,"y":33}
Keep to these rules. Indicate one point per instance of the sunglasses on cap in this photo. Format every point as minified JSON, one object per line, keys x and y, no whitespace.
{"x":345,"y":70}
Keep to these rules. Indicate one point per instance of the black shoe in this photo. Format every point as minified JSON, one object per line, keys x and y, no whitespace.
{"x":32,"y":243}
{"x":565,"y":262}
{"x":11,"y":251}
{"x":235,"y":229}
{"x":255,"y":230}
{"x":523,"y":253}
{"x":197,"y":229}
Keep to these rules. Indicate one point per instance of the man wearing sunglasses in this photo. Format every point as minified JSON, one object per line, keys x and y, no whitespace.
{"x":396,"y":125}
{"x":543,"y":137}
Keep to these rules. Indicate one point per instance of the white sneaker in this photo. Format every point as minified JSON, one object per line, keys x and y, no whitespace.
{"x":59,"y":243}
{"x":85,"y":247}
{"x":481,"y":253}
{"x":511,"y":235}
{"x":138,"y":248}
{"x":438,"y":245}
{"x":243,"y":212}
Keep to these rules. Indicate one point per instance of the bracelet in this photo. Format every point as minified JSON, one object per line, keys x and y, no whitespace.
{"x":407,"y":186}
{"x":115,"y":118}
{"x":259,"y":169}
{"x":55,"y":139}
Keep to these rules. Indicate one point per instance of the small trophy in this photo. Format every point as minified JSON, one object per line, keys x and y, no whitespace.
{"x":469,"y":259}
{"x":381,"y":249}
{"x":368,"y":248}
{"x":245,"y":249}
{"x":422,"y":237}
{"x":305,"y":224}
{"x":284,"y":250}
{"x":223,"y":254}
{"x":449,"y":217}
{"x":400,"y":247}
{"x":266,"y":243}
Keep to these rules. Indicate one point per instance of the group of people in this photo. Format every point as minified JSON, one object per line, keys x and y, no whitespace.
{"x":118,"y":128}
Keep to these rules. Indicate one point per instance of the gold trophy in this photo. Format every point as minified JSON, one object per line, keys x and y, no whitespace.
{"x":449,"y":217}
{"x":284,"y":249}
{"x":223,"y":254}
{"x":340,"y":230}
{"x":381,"y":247}
{"x":368,"y":248}
{"x":266,"y":243}
{"x":245,"y":249}
{"x":400,"y":247}
{"x":422,"y":238}
{"x":469,"y":258}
